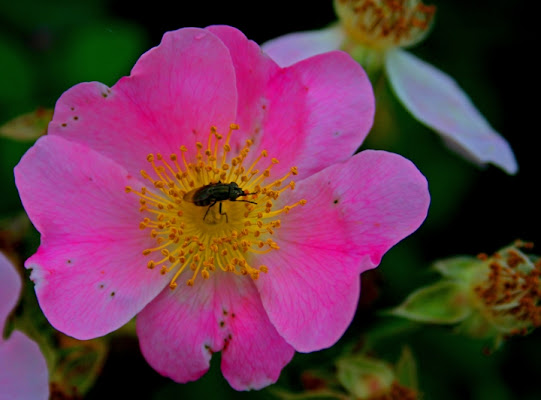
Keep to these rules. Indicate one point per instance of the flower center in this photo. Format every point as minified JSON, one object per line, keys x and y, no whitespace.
{"x":382,"y":24}
{"x":211,"y":214}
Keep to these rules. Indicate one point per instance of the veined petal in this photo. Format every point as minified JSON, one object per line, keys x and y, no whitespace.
{"x":181,"y":329}
{"x":23,"y":370}
{"x":293,"y":113}
{"x":354,"y":213}
{"x":435,"y":99}
{"x":89,"y":271}
{"x":175,"y":93}
{"x":294,"y":47}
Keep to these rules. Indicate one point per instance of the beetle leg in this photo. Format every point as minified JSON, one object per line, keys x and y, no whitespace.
{"x":221,"y":213}
{"x":208,"y":209}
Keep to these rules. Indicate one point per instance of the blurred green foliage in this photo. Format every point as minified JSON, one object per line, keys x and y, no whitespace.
{"x":46,"y":47}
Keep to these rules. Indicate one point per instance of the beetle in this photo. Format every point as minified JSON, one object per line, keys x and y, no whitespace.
{"x":213,"y":193}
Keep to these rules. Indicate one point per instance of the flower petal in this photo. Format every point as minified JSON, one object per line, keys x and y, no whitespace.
{"x":181,"y":329}
{"x":10,"y":288}
{"x":354,"y":213}
{"x":294,"y":47}
{"x":435,"y":99}
{"x":23,"y":370}
{"x":293,"y":113}
{"x":90,"y":273}
{"x":175,"y":93}
{"x":255,"y":352}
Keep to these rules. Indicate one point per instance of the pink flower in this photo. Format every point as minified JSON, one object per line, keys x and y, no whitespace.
{"x":23,"y":370}
{"x":120,"y":190}
{"x":375,"y":32}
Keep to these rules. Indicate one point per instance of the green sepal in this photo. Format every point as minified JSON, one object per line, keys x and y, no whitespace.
{"x":445,"y":302}
{"x":460,"y":268}
{"x":406,"y":370}
{"x":364,"y":377}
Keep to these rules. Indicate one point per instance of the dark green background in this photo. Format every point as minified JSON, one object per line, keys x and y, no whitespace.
{"x":488,"y":47}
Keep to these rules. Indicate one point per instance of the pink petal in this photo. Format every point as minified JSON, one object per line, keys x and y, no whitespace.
{"x":10,"y":288}
{"x":294,"y":47}
{"x":255,"y":352}
{"x":355,"y":212}
{"x":175,"y":93}
{"x":89,"y":271}
{"x":23,"y":370}
{"x":293,"y":113}
{"x":435,"y":99}
{"x":181,"y":329}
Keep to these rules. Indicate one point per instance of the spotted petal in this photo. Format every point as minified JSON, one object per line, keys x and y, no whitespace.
{"x":435,"y":99}
{"x":175,"y":93}
{"x":181,"y":329}
{"x":89,"y":271}
{"x":354,"y":213}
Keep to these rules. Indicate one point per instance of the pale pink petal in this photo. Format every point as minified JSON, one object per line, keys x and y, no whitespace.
{"x":10,"y":288}
{"x":89,"y":271}
{"x":23,"y":370}
{"x":435,"y":99}
{"x":294,"y":47}
{"x":310,"y":115}
{"x":355,"y":212}
{"x":181,"y":329}
{"x":175,"y":93}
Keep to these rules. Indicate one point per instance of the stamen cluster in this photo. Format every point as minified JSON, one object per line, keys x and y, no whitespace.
{"x":381,"y":24}
{"x":510,"y":293}
{"x":197,"y":237}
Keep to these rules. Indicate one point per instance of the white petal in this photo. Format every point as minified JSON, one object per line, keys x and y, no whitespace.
{"x":291,"y":48}
{"x":435,"y":99}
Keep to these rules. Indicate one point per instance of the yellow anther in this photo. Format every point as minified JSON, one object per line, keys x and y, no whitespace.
{"x":186,"y":237}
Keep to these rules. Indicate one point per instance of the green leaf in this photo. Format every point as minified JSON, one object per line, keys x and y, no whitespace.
{"x":29,"y":126}
{"x":445,"y":302}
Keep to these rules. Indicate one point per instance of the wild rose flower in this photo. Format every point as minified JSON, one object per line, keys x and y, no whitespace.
{"x":375,"y":32}
{"x":170,"y":196}
{"x":23,"y":370}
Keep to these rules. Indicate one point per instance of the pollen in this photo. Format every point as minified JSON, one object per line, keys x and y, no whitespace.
{"x":382,"y":24}
{"x":209,"y":212}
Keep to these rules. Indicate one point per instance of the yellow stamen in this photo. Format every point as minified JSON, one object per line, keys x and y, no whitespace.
{"x":193,"y":230}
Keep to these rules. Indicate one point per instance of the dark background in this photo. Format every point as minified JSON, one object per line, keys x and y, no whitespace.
{"x":488,"y":47}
